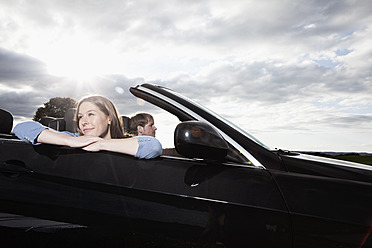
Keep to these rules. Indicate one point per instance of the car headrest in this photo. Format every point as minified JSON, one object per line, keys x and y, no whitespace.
{"x":125,"y":121}
{"x":58,"y":124}
{"x":69,"y":119}
{"x":6,"y":121}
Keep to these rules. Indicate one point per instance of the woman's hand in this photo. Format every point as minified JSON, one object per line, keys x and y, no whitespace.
{"x":83,"y":141}
{"x":51,"y":137}
{"x":94,"y":146}
{"x":126,"y":146}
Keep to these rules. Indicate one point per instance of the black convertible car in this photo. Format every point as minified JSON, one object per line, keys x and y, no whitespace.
{"x":225,"y":189}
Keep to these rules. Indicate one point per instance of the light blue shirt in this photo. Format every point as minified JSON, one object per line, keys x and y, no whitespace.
{"x":148,"y":147}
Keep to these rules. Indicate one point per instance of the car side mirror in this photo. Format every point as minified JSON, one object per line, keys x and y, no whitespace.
{"x":196,"y":139}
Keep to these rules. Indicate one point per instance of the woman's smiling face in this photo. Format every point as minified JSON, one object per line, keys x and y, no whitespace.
{"x":92,"y":121}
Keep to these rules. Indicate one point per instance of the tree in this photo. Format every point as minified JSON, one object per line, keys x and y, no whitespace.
{"x":56,"y":107}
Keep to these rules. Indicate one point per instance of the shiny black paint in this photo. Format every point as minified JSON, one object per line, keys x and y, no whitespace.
{"x":198,"y":139}
{"x":184,"y":198}
{"x":329,"y":201}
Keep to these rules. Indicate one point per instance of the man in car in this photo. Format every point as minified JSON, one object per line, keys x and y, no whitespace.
{"x":142,"y":124}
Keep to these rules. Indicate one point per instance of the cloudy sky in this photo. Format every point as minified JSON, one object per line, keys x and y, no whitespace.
{"x":295,"y":74}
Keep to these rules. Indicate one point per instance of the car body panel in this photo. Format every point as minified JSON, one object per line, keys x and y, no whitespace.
{"x":333,"y":196}
{"x":184,"y":195}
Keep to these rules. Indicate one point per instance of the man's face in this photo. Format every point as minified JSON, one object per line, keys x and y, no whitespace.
{"x":148,"y":130}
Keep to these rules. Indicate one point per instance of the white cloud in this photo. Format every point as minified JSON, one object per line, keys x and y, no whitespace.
{"x":298,"y":67}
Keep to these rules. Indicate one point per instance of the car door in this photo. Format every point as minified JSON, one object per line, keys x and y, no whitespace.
{"x":184,"y":199}
{"x":229,"y":203}
{"x":329,"y":200}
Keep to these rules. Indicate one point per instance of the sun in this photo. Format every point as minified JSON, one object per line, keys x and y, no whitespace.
{"x":74,"y":60}
{"x":78,"y":57}
{"x":79,"y":69}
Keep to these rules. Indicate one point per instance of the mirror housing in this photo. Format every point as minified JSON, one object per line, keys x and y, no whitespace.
{"x":196,"y":139}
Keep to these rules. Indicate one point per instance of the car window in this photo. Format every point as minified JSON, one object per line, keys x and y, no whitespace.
{"x":166,"y":123}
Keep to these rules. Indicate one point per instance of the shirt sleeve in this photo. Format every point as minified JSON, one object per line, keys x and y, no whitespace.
{"x":148,"y":147}
{"x":29,"y":131}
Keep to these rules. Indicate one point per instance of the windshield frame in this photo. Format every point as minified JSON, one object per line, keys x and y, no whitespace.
{"x":196,"y":111}
{"x":211,"y":112}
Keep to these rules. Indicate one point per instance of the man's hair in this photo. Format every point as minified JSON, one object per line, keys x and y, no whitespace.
{"x":140,"y":119}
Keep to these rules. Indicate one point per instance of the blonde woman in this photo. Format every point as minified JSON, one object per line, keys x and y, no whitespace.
{"x":99,"y":128}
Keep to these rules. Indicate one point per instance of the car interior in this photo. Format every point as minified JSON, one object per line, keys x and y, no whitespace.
{"x":6,"y":124}
{"x":60,"y":124}
{"x":67,"y":124}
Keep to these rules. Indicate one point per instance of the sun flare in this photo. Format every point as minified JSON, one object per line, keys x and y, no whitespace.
{"x":78,"y":58}
{"x":74,"y":62}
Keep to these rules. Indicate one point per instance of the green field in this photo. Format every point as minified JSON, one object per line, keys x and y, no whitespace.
{"x":367,"y":159}
{"x":364,"y":158}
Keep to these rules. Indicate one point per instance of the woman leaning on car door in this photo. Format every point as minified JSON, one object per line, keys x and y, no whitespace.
{"x":99,"y":128}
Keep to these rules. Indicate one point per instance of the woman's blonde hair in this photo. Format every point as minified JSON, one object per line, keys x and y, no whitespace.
{"x":109,"y":109}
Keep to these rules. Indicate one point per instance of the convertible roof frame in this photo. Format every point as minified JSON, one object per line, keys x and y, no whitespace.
{"x":188,"y":114}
